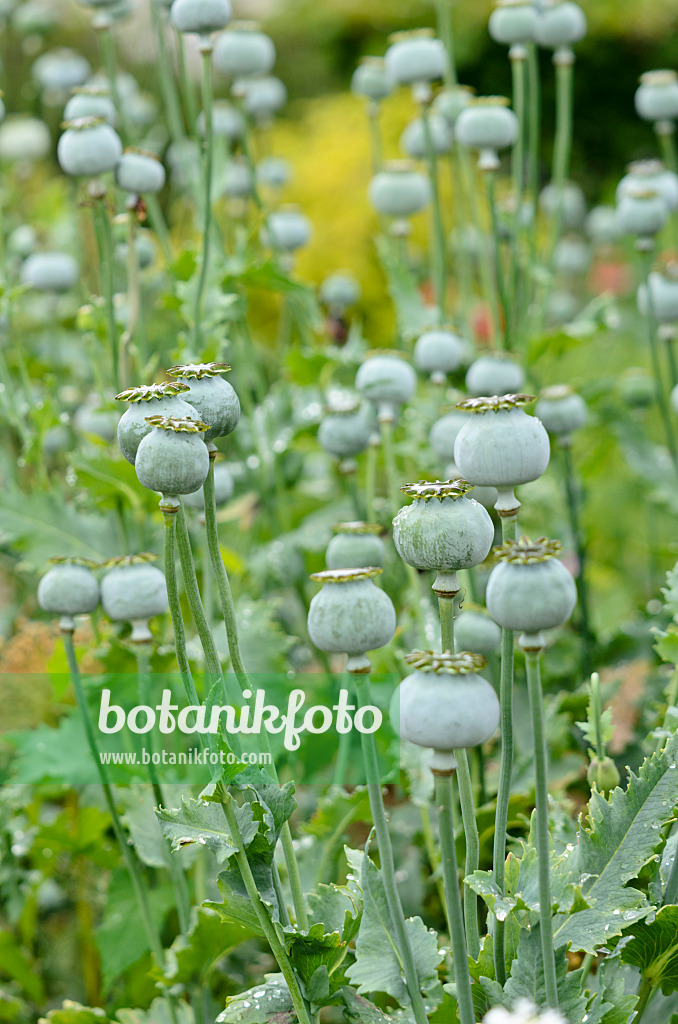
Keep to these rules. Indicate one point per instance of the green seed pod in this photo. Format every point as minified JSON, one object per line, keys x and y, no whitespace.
{"x":663,"y":295}
{"x":24,"y":139}
{"x":88,"y":147}
{"x":450,"y":102}
{"x":601,"y":225}
{"x":560,"y":24}
{"x":173,"y":459}
{"x":145,"y":250}
{"x":288,"y":229}
{"x":345,"y":430}
{"x":413,"y":139}
{"x":149,"y":400}
{"x":653,"y":176}
{"x":200,"y":16}
{"x":227,"y":122}
{"x":90,"y":101}
{"x":487,"y":124}
{"x":350,"y":615}
{"x":561,"y":410}
{"x":501,"y":445}
{"x":126,"y":84}
{"x":215,"y":400}
{"x":387,"y":381}
{"x":446,"y":705}
{"x":355,"y":545}
{"x":22,"y":241}
{"x":513,"y":22}
{"x":475,"y":631}
{"x":637,"y":388}
{"x":415,"y":57}
{"x":656,"y":98}
{"x":60,"y":71}
{"x":50,"y":271}
{"x":68,"y":589}
{"x":34,"y":18}
{"x":134,"y":591}
{"x":603,"y":774}
{"x":339,"y":292}
{"x":224,"y":486}
{"x":398,"y":190}
{"x":439,"y":352}
{"x":370,"y":79}
{"x":443,"y":434}
{"x":572,"y":256}
{"x":139,"y":172}
{"x":494,"y":375}
{"x":530,"y":590}
{"x":573,"y":207}
{"x":442,"y":530}
{"x":485,"y":496}
{"x":641,"y":213}
{"x":243,"y":50}
{"x":262,"y":97}
{"x":273,"y":172}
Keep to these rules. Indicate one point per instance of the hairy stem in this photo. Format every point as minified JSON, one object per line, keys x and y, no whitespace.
{"x":207,"y":192}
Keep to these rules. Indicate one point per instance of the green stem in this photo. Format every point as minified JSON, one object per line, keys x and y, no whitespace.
{"x":573,"y":504}
{"x":532,"y":663}
{"x":370,"y":481}
{"x":468,"y":814}
{"x":670,"y":895}
{"x":105,"y":245}
{"x":166,"y":78}
{"x":518,"y":74}
{"x":504,"y":312}
{"x":190,"y":105}
{"x":438,"y":271}
{"x":667,"y":144}
{"x":267,"y":925}
{"x":509,"y":528}
{"x":107,"y":46}
{"x":646,"y":991}
{"x":159,"y":225}
{"x":651,"y":327}
{"x":207,"y":191}
{"x":294,"y":878}
{"x":175,"y":609}
{"x":371,"y":764}
{"x":534,"y":103}
{"x":446,"y":611}
{"x":488,"y":283}
{"x":431,"y":848}
{"x":562,"y":144}
{"x":444,"y":801}
{"x":392,"y":488}
{"x":445,"y":32}
{"x":373,"y":109}
{"x":671,"y":358}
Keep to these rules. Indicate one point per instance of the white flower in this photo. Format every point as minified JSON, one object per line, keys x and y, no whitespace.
{"x":524,"y":1012}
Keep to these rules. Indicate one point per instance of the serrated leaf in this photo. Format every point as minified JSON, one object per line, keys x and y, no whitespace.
{"x":318,"y":987}
{"x":199,"y":822}
{"x":654,"y":949}
{"x":670,"y":591}
{"x":236,"y":906}
{"x":666,"y":644}
{"x":140,"y":818}
{"x":338,"y":908}
{"x":313,"y":949}
{"x":611,"y":1004}
{"x":483,"y":967}
{"x":119,"y":945}
{"x":624,"y":833}
{"x":193,"y":955}
{"x":378,"y":966}
{"x":41,"y":525}
{"x":261,"y":1004}
{"x":361,"y":1010}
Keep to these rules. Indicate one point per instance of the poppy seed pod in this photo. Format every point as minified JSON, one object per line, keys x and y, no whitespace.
{"x":224,"y":487}
{"x":200,"y":16}
{"x":215,"y":400}
{"x":50,"y":271}
{"x":487,"y":124}
{"x":387,"y":381}
{"x":134,"y":591}
{"x":442,"y":530}
{"x":24,"y":138}
{"x":663,"y":295}
{"x":530,"y":590}
{"x":149,"y":400}
{"x":513,"y":22}
{"x":288,"y":229}
{"x":450,"y":102}
{"x":603,"y":774}
{"x":572,"y":256}
{"x":656,"y":97}
{"x":370,"y":79}
{"x":351,"y":615}
{"x":273,"y":172}
{"x":243,"y":50}
{"x":413,"y":139}
{"x":139,"y":172}
{"x":561,"y":410}
{"x":173,"y":459}
{"x":653,"y":176}
{"x":398,"y":190}
{"x":340,"y":291}
{"x":237,"y":182}
{"x":59,"y":71}
{"x":601,"y":225}
{"x":69,"y":589}
{"x":443,"y":434}
{"x":446,"y":705}
{"x":355,"y":545}
{"x":501,"y":446}
{"x":637,"y":388}
{"x":475,"y":631}
{"x":560,"y":24}
{"x":89,"y":101}
{"x":88,"y":147}
{"x":641,"y":213}
{"x":261,"y":97}
{"x":438,"y":352}
{"x":573,"y":204}
{"x":345,"y":430}
{"x":415,"y":57}
{"x":227,"y":122}
{"x":494,"y":375}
